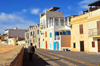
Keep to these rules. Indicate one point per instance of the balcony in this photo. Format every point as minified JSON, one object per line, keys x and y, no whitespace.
{"x":41,"y":27}
{"x":95,"y":32}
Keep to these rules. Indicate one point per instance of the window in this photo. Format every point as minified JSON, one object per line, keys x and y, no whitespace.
{"x":60,"y":33}
{"x":26,"y":35}
{"x":81,"y":29}
{"x":30,"y":41}
{"x":16,"y":40}
{"x":45,"y":34}
{"x":33,"y":40}
{"x":74,"y":45}
{"x":41,"y":22}
{"x":93,"y":44}
{"x":38,"y":32}
{"x":31,"y":34}
{"x":10,"y":40}
{"x":50,"y":35}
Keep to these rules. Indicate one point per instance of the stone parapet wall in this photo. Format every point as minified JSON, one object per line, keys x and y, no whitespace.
{"x":13,"y":57}
{"x":6,"y":48}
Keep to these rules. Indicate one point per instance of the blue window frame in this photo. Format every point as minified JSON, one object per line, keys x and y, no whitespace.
{"x":31,"y":34}
{"x":50,"y":35}
{"x":38,"y":32}
{"x":69,"y":32}
{"x":55,"y":33}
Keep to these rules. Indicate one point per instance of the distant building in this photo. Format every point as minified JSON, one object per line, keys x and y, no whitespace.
{"x":2,"y":39}
{"x":34,"y":35}
{"x":15,"y":32}
{"x":27,"y":38}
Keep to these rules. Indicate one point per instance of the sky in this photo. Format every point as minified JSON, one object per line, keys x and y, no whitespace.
{"x":25,"y":13}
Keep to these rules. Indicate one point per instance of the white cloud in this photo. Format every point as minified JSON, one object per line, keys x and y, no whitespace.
{"x":24,"y":10}
{"x":34,"y":11}
{"x":45,"y":10}
{"x":80,"y":12}
{"x":69,"y":8}
{"x":9,"y":21}
{"x":84,"y":3}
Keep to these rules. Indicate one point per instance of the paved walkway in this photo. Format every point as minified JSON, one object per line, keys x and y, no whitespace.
{"x":62,"y":58}
{"x":37,"y":61}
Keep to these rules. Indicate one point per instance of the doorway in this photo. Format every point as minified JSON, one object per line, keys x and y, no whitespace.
{"x":98,"y":45}
{"x":81,"y":45}
{"x":46,"y":44}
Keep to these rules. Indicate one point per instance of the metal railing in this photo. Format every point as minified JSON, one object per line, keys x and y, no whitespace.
{"x":94,"y":32}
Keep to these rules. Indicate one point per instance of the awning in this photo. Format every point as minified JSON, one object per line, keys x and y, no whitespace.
{"x":63,"y":29}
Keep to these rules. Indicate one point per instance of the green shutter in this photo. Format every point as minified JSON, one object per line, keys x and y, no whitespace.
{"x":33,"y":40}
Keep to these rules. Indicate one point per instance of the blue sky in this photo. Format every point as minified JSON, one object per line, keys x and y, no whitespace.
{"x":23,"y":13}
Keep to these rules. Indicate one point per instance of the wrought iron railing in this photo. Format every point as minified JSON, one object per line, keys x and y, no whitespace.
{"x":94,"y":32}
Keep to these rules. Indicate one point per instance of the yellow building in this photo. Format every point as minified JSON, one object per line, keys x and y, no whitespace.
{"x":85,"y":31}
{"x":79,"y":33}
{"x":22,"y":42}
{"x":94,"y":26}
{"x":13,"y":41}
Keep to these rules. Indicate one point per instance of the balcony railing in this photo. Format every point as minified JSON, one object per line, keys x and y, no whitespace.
{"x":94,"y":32}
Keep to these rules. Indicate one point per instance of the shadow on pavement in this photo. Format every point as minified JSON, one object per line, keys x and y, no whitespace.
{"x":37,"y":61}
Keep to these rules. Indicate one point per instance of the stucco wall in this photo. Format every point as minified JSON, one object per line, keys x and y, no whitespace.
{"x":12,"y":41}
{"x":94,"y":13}
{"x":76,"y":37}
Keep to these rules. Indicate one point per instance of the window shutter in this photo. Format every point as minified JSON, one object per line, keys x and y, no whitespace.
{"x":81,"y":29}
{"x":93,"y":44}
{"x":45,"y":34}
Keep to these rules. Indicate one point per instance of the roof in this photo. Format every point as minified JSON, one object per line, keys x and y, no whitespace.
{"x":96,"y":3}
{"x":54,"y":8}
{"x":85,"y":11}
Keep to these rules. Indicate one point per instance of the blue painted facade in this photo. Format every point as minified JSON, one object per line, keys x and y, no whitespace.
{"x":57,"y":45}
{"x":41,"y":44}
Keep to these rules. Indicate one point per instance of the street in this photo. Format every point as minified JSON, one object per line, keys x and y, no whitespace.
{"x":43,"y":57}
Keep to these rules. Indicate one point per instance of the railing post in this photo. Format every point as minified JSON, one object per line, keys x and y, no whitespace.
{"x":53,"y":21}
{"x":48,"y":23}
{"x":59,"y":22}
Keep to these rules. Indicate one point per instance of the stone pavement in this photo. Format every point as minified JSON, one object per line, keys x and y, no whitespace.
{"x":37,"y":61}
{"x":62,"y":58}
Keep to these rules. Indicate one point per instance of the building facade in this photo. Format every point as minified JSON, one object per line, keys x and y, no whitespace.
{"x":53,"y":25}
{"x":85,"y":30}
{"x":34,"y":35}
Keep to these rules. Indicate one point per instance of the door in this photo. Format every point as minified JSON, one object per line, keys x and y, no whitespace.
{"x":98,"y":27}
{"x":81,"y":45}
{"x":39,"y":44}
{"x":46,"y":44}
{"x":57,"y":45}
{"x":98,"y":45}
{"x":54,"y":46}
